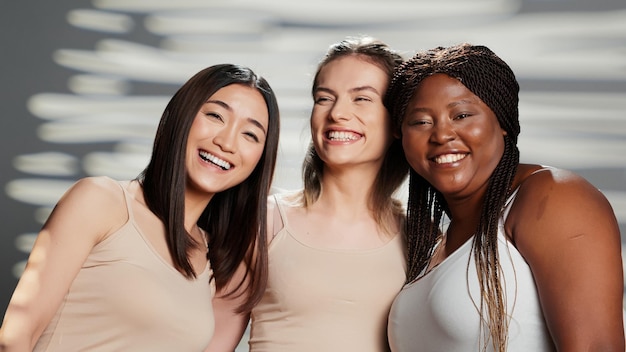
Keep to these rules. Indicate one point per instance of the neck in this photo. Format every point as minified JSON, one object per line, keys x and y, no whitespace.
{"x":355,"y":181}
{"x":464,"y":219}
{"x":194,"y":207}
{"x":343,"y":197}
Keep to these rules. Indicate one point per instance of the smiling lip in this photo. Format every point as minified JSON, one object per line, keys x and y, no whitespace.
{"x":215,"y":160}
{"x":342,"y":136}
{"x":448,"y":158}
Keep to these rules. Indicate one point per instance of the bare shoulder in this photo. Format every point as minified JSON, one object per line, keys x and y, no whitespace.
{"x":97,"y":202}
{"x":99,"y":192}
{"x":555,"y":186}
{"x":98,"y":185}
{"x":291,"y":198}
{"x":568,"y":234}
{"x":288,"y":200}
{"x":556,"y":201}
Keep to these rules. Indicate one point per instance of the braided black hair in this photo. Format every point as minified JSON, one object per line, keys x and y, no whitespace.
{"x":493,"y":81}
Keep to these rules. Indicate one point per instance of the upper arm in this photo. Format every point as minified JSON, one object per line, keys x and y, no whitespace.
{"x":230,"y":324}
{"x":567,"y":232}
{"x":82,"y":217}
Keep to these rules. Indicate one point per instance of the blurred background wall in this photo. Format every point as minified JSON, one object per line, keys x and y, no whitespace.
{"x":83,"y":83}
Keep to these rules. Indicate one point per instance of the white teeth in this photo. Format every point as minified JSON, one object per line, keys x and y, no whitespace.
{"x":215,"y":160}
{"x":342,"y":136}
{"x":449,"y":158}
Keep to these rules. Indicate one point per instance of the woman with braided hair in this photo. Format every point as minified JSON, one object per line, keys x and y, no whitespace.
{"x":502,"y":256}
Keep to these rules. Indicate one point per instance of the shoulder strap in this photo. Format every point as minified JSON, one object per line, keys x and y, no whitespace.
{"x":511,"y":199}
{"x":127,"y":199}
{"x":279,"y":220}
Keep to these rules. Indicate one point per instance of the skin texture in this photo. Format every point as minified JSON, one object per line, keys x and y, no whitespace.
{"x":231,"y":126}
{"x":348,"y":106}
{"x":350,"y":130}
{"x":348,"y":101}
{"x":459,"y":126}
{"x":94,"y":208}
{"x":562,"y":225}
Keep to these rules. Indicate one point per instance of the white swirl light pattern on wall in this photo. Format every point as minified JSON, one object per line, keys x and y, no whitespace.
{"x":283,"y":40}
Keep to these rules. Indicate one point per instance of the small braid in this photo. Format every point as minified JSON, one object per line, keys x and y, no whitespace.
{"x":493,"y":81}
{"x":485,"y":246}
{"x":420,"y":248}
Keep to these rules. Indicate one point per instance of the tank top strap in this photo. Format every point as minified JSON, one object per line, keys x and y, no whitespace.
{"x":508,"y":203}
{"x":511,"y":199}
{"x":281,"y":210}
{"x":127,"y":199}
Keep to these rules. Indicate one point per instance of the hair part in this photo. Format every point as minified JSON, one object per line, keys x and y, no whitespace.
{"x":235,"y":219}
{"x":493,"y":81}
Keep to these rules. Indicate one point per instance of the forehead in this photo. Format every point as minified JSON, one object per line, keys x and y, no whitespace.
{"x":243,"y":101}
{"x":352,"y":69}
{"x":234,"y":90}
{"x":440,"y":85}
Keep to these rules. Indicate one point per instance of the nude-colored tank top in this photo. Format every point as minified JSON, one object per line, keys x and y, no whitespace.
{"x":126,"y":297}
{"x":438,"y":312}
{"x":323,"y":300}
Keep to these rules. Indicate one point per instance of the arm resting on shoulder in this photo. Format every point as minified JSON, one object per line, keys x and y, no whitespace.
{"x":230,"y":324}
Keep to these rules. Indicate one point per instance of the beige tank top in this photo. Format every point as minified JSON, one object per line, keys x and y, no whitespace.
{"x":126,"y":297}
{"x":326,"y":300}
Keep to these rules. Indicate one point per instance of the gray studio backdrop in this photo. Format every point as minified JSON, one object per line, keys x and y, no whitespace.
{"x":83,"y":83}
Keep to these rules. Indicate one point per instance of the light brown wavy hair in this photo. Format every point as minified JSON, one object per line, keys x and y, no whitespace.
{"x":394,"y":169}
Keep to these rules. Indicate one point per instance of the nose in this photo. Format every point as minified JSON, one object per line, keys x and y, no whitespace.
{"x":226,"y":139}
{"x":442,"y":132}
{"x":340,"y":110}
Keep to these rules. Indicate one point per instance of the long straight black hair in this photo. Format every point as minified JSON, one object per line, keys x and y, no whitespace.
{"x":235,"y":219}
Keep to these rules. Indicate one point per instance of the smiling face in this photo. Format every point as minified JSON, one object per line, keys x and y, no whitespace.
{"x":349,"y":123}
{"x":450,"y":137}
{"x":226,"y":139}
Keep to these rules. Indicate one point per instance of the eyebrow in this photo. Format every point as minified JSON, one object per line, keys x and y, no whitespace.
{"x":461,"y":102}
{"x":251,"y":120}
{"x":257,"y":124}
{"x":450,"y":105}
{"x":351,"y":90}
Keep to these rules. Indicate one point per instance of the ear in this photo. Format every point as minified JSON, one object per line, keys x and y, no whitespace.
{"x":504,"y":133}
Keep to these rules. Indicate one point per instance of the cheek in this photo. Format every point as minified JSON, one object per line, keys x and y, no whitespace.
{"x":200,"y":129}
{"x":381,"y":130}
{"x":316,"y":127}
{"x":491,"y":138}
{"x":253,"y":155}
{"x":318,"y":114}
{"x":412,"y":144}
{"x":413,"y":151}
